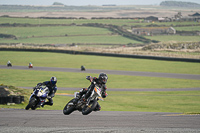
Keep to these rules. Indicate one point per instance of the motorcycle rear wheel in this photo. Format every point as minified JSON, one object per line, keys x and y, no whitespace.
{"x":88,"y":109}
{"x":68,"y":109}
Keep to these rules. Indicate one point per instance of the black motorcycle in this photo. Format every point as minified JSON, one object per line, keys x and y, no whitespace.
{"x":84,"y":106}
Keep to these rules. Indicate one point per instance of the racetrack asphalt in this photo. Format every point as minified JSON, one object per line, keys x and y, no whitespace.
{"x":19,"y":120}
{"x":115,"y":72}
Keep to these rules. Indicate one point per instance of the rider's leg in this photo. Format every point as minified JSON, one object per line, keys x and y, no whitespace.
{"x":89,"y":92}
{"x":79,"y":95}
{"x":50,"y":102}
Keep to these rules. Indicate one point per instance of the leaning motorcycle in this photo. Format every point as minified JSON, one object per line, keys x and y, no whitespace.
{"x":84,"y":106}
{"x":38,"y":97}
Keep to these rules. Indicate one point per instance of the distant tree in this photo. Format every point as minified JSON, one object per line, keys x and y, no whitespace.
{"x":57,"y":3}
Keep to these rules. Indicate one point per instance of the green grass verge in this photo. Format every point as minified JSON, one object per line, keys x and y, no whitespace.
{"x":67,"y":79}
{"x":97,"y":62}
{"x":181,"y":101}
{"x":175,"y":101}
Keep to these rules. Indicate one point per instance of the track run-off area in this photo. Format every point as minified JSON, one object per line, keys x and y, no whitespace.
{"x":19,"y":120}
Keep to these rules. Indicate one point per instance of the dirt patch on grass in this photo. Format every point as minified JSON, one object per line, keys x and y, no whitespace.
{"x":193,"y":54}
{"x":4,"y":91}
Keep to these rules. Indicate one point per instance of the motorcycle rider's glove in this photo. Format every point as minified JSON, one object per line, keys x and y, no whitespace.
{"x":104,"y":94}
{"x":39,"y":84}
{"x":34,"y":88}
{"x":88,"y":77}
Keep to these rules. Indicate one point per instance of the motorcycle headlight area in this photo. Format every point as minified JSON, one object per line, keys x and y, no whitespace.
{"x":39,"y":94}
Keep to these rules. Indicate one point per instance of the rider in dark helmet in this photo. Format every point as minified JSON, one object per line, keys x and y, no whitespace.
{"x":100,"y":81}
{"x":52,"y":89}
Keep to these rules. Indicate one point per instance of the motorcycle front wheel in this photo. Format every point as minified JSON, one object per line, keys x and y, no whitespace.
{"x":88,"y":109}
{"x":31,"y":103}
{"x":68,"y":109}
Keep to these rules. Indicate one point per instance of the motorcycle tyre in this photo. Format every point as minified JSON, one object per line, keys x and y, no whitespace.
{"x":31,"y":103}
{"x":94,"y":104}
{"x":69,"y":110}
{"x":33,"y":108}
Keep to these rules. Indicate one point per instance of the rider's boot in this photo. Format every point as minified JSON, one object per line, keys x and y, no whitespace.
{"x":50,"y":102}
{"x":43,"y":105}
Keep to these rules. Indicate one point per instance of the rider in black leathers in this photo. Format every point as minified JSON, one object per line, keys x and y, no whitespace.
{"x":52,"y":89}
{"x":100,"y":81}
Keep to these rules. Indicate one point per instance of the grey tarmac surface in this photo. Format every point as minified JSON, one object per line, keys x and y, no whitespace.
{"x":18,"y":121}
{"x":115,"y":72}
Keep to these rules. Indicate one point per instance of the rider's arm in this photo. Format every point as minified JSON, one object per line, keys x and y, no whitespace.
{"x":53,"y":92}
{"x":44,"y":83}
{"x":40,"y":84}
{"x":104,"y":94}
{"x":55,"y":89}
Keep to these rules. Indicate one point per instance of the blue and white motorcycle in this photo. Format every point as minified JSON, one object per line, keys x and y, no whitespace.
{"x":38,"y":97}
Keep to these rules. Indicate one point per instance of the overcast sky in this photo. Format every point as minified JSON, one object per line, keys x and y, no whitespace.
{"x":87,"y":2}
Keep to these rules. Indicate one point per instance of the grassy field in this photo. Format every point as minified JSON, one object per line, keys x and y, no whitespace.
{"x":95,"y":62}
{"x":77,"y":80}
{"x":23,"y":32}
{"x":175,"y":38}
{"x":63,"y":35}
{"x":103,"y":39}
{"x":176,"y":101}
{"x":80,"y":34}
{"x":182,"y":102}
{"x":189,"y":28}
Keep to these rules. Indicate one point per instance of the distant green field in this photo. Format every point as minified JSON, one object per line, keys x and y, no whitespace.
{"x":189,"y":28}
{"x":22,"y":32}
{"x":97,"y":62}
{"x":176,"y":38}
{"x":63,"y":35}
{"x":104,"y":39}
{"x":80,"y":34}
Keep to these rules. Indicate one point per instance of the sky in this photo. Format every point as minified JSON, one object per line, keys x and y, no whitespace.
{"x":87,"y":2}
